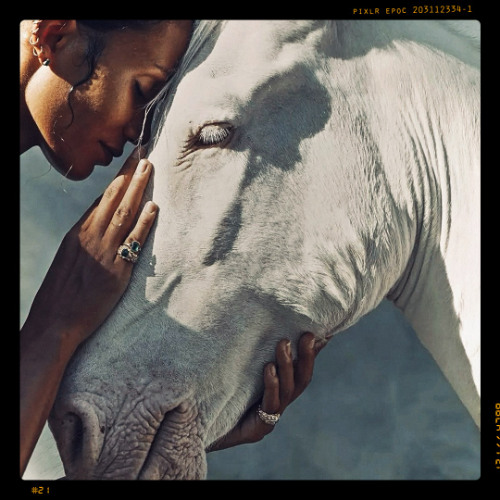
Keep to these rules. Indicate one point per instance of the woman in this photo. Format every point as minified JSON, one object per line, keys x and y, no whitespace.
{"x":85,"y":86}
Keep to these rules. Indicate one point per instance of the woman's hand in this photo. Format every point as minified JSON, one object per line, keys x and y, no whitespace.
{"x":87,"y":277}
{"x":282,"y":385}
{"x":81,"y":288}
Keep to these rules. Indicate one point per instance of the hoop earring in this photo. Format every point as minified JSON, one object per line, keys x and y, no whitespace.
{"x":34,"y":40}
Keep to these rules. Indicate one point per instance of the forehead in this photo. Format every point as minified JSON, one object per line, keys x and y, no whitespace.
{"x":160,"y":44}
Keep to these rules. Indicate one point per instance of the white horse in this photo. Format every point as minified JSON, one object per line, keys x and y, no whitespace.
{"x":304,"y":172}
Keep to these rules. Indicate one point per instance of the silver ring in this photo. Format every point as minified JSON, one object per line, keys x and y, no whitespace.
{"x":129,"y":251}
{"x":268,"y":418}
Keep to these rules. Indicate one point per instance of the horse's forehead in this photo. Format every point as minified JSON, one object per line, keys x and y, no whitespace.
{"x":241,"y":41}
{"x":253,"y":55}
{"x":244,"y":60}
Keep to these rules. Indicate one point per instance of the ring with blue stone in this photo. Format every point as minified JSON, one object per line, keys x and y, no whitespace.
{"x":129,"y":251}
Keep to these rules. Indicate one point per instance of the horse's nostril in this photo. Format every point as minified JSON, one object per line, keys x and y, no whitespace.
{"x":73,"y":428}
{"x":79,"y":439}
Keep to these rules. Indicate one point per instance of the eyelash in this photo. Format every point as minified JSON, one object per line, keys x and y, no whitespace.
{"x":213,"y":134}
{"x":138,"y":91}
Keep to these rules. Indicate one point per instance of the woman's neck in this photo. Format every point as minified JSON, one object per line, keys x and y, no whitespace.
{"x":27,"y":135}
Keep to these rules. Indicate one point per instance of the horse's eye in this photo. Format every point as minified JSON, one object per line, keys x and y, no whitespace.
{"x":213,"y":134}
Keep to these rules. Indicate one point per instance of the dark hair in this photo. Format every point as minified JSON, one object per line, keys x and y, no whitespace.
{"x":96,"y":31}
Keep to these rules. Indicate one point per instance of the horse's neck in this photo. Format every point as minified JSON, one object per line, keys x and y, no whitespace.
{"x":444,"y":311}
{"x":439,"y":292}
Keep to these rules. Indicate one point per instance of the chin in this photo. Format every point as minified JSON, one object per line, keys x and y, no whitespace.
{"x":66,"y":167}
{"x":77,"y":175}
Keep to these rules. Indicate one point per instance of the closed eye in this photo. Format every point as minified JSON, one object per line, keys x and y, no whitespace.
{"x":139,"y":92}
{"x":213,"y":134}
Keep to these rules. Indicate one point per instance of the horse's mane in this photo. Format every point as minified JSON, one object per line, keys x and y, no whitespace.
{"x":203,"y":31}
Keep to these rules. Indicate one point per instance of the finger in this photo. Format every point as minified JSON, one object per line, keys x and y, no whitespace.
{"x":132,"y":161}
{"x":271,"y":398}
{"x":141,"y":230}
{"x":306,"y":355}
{"x":270,"y":402}
{"x":125,"y":213}
{"x":284,"y":361}
{"x":320,"y":343}
{"x":145,"y":222}
{"x":107,"y":204}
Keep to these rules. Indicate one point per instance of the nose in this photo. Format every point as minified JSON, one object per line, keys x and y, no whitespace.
{"x":139,"y":127}
{"x":79,"y":438}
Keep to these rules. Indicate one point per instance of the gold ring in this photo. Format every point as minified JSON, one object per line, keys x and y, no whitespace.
{"x":268,"y":418}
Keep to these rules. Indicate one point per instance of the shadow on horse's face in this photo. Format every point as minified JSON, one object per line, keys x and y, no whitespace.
{"x":234,"y":265}
{"x":265,"y":172}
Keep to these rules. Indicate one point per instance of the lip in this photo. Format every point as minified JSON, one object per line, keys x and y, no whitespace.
{"x":110,"y":152}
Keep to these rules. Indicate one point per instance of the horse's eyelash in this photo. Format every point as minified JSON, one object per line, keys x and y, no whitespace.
{"x":213,"y":134}
{"x":207,"y":136}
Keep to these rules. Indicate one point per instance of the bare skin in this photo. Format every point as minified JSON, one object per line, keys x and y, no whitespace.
{"x":87,"y":277}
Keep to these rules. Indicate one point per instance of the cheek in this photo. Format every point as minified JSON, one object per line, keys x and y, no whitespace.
{"x":46,"y":97}
{"x":71,"y":125}
{"x":71,"y":142}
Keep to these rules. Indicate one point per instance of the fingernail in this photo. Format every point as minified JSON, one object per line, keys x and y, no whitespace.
{"x":142,"y":166}
{"x":150,"y":207}
{"x":272,"y":370}
{"x":288,"y":348}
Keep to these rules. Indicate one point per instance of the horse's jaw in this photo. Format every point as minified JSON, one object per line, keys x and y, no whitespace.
{"x":175,"y":398}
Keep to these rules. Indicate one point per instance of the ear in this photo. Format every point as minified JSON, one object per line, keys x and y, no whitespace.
{"x":50,"y":36}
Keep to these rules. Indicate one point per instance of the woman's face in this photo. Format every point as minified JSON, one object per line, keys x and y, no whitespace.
{"x":92,"y":125}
